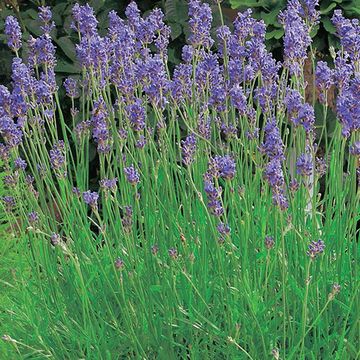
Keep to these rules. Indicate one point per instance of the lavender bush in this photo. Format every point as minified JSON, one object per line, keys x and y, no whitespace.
{"x":224,"y":222}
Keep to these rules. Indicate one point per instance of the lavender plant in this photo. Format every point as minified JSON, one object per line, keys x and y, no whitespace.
{"x":221,"y":223}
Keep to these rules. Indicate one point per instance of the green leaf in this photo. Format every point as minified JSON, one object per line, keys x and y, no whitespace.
{"x":67,"y":68}
{"x":97,"y":4}
{"x":33,"y":26}
{"x":67,"y":46}
{"x":235,"y":4}
{"x":172,"y":56}
{"x":58,"y":13}
{"x":271,"y":17}
{"x":31,"y":13}
{"x":176,"y":11}
{"x":325,"y":11}
{"x":176,"y":30}
{"x":277,"y":34}
{"x":351,"y":9}
{"x":329,"y":27}
{"x":314,"y":31}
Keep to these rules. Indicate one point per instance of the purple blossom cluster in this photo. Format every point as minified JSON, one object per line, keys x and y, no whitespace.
{"x":349,"y":33}
{"x":100,"y":127}
{"x":324,"y":78}
{"x":188,"y":148}
{"x":305,"y":164}
{"x":221,"y":166}
{"x":315,"y":248}
{"x":109,"y":184}
{"x":91,"y":198}
{"x":200,"y":18}
{"x":57,"y":157}
{"x":297,"y":37}
{"x":13,"y":33}
{"x":132,"y":175}
{"x":273,"y":147}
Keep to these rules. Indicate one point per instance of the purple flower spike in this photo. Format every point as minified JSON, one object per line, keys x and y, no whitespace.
{"x":45,"y":15}
{"x":132,"y":175}
{"x":222,"y":166}
{"x":13,"y":33}
{"x":101,"y":132}
{"x":33,"y":217}
{"x":188,"y":148}
{"x":227,"y":167}
{"x":91,"y":199}
{"x":109,"y":184}
{"x":214,"y":198}
{"x":304,"y":165}
{"x":119,"y":263}
{"x":70,"y":85}
{"x":136,"y":114}
{"x":200,"y":18}
{"x":355,"y":148}
{"x":55,"y":239}
{"x":20,"y":164}
{"x":84,"y":20}
{"x":269,"y":242}
{"x":223,"y":229}
{"x":315,"y":248}
{"x":238,"y":99}
{"x":306,"y":117}
{"x":154,"y":249}
{"x":173,"y":253}
{"x":126,"y":220}
{"x":324,"y":79}
{"x":9,"y":203}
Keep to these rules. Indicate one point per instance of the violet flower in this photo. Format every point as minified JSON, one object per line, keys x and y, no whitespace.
{"x":91,"y":199}
{"x":200,"y":18}
{"x":305,"y":165}
{"x":132,"y":175}
{"x":315,"y":248}
{"x":13,"y":33}
{"x":188,"y":149}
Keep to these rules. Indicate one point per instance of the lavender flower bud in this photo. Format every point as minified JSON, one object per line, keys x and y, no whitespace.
{"x":223,"y":229}
{"x":324,"y":79}
{"x":132,"y":175}
{"x":55,"y":239}
{"x":33,"y":217}
{"x":188,"y":148}
{"x":70,"y":85}
{"x":136,"y":114}
{"x":269,"y":242}
{"x":57,"y":158}
{"x":91,"y":199}
{"x":304,"y":165}
{"x":354,"y":149}
{"x":173,"y":253}
{"x":200,"y":18}
{"x":109,"y":184}
{"x":20,"y":164}
{"x":45,"y":15}
{"x":335,"y":290}
{"x":294,"y":185}
{"x":9,"y":203}
{"x":154,"y":249}
{"x":315,"y":248}
{"x":119,"y":264}
{"x":13,"y":33}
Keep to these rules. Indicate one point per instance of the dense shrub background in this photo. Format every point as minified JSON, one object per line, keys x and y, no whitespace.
{"x":176,"y":17}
